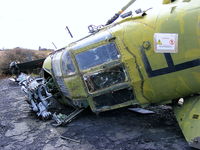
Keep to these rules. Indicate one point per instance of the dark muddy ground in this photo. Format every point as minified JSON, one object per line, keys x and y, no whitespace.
{"x":120,"y":129}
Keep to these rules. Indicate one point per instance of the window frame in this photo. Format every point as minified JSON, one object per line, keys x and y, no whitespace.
{"x":103,"y":62}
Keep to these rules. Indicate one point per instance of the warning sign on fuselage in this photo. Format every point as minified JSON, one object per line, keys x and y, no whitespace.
{"x":166,"y":42}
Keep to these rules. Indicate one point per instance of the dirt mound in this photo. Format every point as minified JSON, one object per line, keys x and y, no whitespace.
{"x":19,"y":55}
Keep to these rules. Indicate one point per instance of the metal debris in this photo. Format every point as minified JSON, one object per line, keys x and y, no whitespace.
{"x":70,"y":139}
{"x":41,"y":100}
{"x":141,"y":110}
{"x":62,"y":119}
{"x":38,"y":96}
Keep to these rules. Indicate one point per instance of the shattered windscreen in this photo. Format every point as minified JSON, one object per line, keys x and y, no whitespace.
{"x":97,"y":56}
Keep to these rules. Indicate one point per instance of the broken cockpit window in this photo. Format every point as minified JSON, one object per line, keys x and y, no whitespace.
{"x":67,"y":64}
{"x":97,"y":56}
{"x":106,"y":78}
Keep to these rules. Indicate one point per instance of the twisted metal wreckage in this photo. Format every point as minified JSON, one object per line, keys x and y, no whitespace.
{"x":39,"y":97}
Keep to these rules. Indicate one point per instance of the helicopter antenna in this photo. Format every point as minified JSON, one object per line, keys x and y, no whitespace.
{"x":119,"y":12}
{"x":54,"y":45}
{"x":69,"y":31}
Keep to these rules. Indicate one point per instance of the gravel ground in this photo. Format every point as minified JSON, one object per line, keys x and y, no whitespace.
{"x":120,"y":129}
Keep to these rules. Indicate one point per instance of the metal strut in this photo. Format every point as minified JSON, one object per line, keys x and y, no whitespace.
{"x":62,"y":119}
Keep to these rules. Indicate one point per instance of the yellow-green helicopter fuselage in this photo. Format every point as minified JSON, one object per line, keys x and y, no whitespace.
{"x":150,"y":57}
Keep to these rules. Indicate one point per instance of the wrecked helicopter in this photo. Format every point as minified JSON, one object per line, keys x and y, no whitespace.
{"x":147,"y":57}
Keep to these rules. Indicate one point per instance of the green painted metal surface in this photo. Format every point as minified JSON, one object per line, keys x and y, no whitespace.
{"x":154,"y":77}
{"x":188,"y":117}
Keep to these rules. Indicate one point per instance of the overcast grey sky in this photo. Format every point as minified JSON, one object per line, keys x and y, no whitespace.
{"x":34,"y":23}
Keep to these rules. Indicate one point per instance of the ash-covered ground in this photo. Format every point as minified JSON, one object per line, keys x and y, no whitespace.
{"x":120,"y":129}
